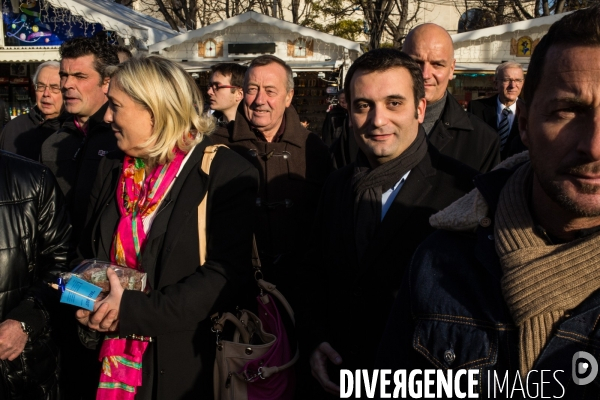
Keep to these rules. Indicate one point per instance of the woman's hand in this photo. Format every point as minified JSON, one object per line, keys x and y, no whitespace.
{"x":105,"y":317}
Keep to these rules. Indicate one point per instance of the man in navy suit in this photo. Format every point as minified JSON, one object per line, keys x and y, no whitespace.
{"x":499,"y":111}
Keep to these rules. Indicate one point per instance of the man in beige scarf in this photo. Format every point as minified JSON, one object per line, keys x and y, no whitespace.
{"x":513,"y":290}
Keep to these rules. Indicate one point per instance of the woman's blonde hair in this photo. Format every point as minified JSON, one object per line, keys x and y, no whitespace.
{"x":172,"y":98}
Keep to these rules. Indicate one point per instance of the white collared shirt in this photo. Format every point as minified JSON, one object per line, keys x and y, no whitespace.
{"x":387,"y":198}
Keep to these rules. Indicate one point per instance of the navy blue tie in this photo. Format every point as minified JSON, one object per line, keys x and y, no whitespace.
{"x":504,"y":127}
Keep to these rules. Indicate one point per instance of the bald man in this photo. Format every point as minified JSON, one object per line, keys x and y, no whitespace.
{"x":453,"y":131}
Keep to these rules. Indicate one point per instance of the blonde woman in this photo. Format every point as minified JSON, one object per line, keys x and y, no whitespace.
{"x":145,"y":216}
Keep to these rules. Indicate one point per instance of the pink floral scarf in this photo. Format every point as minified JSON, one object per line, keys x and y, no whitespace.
{"x":138,"y":196}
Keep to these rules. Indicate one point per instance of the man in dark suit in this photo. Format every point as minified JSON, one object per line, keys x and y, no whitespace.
{"x":499,"y":111}
{"x":373,"y":214}
{"x":449,"y":128}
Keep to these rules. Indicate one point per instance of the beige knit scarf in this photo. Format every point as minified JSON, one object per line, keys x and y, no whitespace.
{"x":540,"y":281}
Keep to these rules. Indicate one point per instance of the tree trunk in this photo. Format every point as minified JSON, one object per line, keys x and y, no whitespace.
{"x":170,"y":20}
{"x":295,"y":11}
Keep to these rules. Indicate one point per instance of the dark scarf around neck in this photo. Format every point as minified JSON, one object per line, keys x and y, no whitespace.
{"x":368,"y":185}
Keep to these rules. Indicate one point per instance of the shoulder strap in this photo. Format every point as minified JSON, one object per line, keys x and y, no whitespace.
{"x":210,"y":152}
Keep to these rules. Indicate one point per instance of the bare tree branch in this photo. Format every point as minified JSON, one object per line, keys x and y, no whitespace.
{"x":170,"y":20}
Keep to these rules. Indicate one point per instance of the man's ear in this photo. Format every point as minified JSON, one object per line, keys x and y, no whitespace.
{"x":288,"y":98}
{"x":522,"y":116}
{"x":422,"y":105}
{"x":239,"y":95}
{"x":105,"y":84}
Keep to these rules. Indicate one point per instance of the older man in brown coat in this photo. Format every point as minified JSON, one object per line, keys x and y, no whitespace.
{"x":293,"y":165}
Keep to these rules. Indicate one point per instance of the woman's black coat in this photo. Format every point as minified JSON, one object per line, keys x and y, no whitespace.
{"x":179,"y":363}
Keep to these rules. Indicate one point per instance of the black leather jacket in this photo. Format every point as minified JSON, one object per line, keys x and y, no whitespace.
{"x":34,"y":235}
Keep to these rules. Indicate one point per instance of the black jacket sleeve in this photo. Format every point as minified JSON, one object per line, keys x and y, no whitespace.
{"x":52,"y":245}
{"x":179,"y":306}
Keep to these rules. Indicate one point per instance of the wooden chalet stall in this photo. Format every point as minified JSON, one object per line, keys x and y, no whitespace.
{"x":319,"y":60}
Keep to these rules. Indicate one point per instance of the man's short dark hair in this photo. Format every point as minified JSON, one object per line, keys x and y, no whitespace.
{"x":104,"y":54}
{"x":267,"y":59}
{"x":581,"y":28}
{"x":379,"y":60}
{"x":234,"y":70}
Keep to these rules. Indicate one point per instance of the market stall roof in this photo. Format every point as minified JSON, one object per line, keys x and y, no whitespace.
{"x":261,"y":18}
{"x":507,"y":28}
{"x":116,"y":17}
{"x":197,"y":66}
{"x":29,"y":54}
{"x":478,"y":67}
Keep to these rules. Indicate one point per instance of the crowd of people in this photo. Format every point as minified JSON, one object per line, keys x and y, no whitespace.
{"x":408,"y":234}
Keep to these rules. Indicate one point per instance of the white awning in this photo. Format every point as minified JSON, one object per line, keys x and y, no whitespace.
{"x":479,"y":67}
{"x":197,"y":66}
{"x":507,"y":28}
{"x":251,"y":15}
{"x":29,"y":54}
{"x":116,"y":17}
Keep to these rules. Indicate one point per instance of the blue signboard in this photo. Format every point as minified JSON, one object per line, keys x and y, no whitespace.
{"x":37,"y":23}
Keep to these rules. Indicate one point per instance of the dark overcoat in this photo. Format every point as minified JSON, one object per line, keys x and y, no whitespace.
{"x":292,"y":172}
{"x":74,"y":157}
{"x":333,"y":124}
{"x":464,"y":137}
{"x":25,"y":134}
{"x":178,"y":363}
{"x":348,"y":299}
{"x":487,"y":110}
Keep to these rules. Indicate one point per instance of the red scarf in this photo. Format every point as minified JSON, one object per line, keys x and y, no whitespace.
{"x":138,"y":196}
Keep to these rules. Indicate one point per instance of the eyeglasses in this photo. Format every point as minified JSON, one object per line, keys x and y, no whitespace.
{"x":215,"y":86}
{"x":508,"y":80}
{"x":40,"y":87}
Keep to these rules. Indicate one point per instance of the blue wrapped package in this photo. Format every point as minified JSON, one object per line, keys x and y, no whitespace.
{"x":80,"y":293}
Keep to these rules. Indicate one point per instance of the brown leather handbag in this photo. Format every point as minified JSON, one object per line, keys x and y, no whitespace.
{"x":256,"y":363}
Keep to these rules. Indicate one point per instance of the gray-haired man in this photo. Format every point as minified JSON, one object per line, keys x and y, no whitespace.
{"x":293,"y":164}
{"x":499,"y":111}
{"x":25,"y":134}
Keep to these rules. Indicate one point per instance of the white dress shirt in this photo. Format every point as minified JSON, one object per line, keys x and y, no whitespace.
{"x":387,"y":198}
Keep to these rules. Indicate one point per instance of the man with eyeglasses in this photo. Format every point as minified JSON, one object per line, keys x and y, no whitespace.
{"x":499,"y":111}
{"x":25,"y":134}
{"x":225,"y":90}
